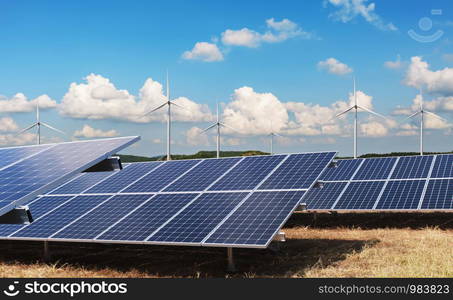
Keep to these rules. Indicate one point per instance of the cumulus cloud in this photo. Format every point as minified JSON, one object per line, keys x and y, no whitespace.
{"x":333,"y":66}
{"x":373,"y":129}
{"x":17,"y":140}
{"x":98,"y":98}
{"x":436,"y":82}
{"x":89,"y":132}
{"x":441,"y":104}
{"x":278,"y":31}
{"x":20,"y":103}
{"x":348,"y":10}
{"x":254,"y":113}
{"x":8,"y":125}
{"x":394,"y":65}
{"x":195,"y":137}
{"x":204,"y":51}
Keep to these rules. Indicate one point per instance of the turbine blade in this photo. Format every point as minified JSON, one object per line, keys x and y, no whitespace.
{"x":435,"y":115}
{"x":52,"y":128}
{"x":153,"y":110}
{"x":227,"y":126}
{"x":372,"y":112}
{"x":411,"y":116}
{"x":212,"y":126}
{"x":28,"y":128}
{"x":344,"y":112}
{"x":177,"y":105}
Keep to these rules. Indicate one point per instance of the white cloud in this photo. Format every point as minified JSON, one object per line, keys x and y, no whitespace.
{"x":254,"y":113}
{"x":407,"y":133}
{"x":17,"y":140}
{"x":444,"y":104}
{"x":156,"y":141}
{"x":333,"y":66}
{"x":278,"y":31}
{"x":394,"y":65}
{"x":204,"y":51}
{"x":196,"y":137}
{"x":20,"y":103}
{"x":363,"y":99}
{"x":350,"y":9}
{"x":436,"y":82}
{"x":373,"y":129}
{"x":89,"y":132}
{"x":99,"y":99}
{"x":8,"y":125}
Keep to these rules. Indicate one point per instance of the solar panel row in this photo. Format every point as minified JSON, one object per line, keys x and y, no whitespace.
{"x":163,"y":212}
{"x":395,"y":183}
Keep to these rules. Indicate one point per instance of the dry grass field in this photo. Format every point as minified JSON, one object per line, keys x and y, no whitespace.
{"x":342,"y":245}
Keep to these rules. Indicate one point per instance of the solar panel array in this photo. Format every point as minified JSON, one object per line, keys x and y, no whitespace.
{"x":230,"y":202}
{"x":26,"y":172}
{"x":390,"y":183}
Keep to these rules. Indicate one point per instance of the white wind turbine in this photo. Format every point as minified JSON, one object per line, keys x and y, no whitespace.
{"x":271,"y":136}
{"x":355,"y":107}
{"x":167,"y":103}
{"x":38,"y":125}
{"x":422,"y":112}
{"x":218,"y":124}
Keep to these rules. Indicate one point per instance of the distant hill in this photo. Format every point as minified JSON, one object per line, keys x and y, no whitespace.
{"x":212,"y":154}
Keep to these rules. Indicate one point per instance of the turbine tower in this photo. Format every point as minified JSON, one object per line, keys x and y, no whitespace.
{"x":38,"y":125}
{"x":356,"y":107}
{"x":167,"y":103}
{"x":218,"y":124}
{"x":422,"y":112}
{"x":271,"y":136}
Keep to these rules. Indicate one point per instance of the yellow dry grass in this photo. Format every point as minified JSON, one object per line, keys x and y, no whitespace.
{"x":343,"y":245}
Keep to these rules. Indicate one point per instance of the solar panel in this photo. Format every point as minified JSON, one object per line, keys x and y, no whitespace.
{"x":360,"y":195}
{"x":439,"y":194}
{"x":412,"y":167}
{"x":443,"y":167}
{"x":343,"y":171}
{"x":298,"y":171}
{"x":46,"y":169}
{"x":256,"y":221}
{"x":375,"y":168}
{"x":13,"y":154}
{"x":82,"y":182}
{"x":402,"y":194}
{"x":325,"y":197}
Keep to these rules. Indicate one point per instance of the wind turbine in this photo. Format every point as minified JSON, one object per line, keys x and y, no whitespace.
{"x":167,"y":103}
{"x":355,"y":107}
{"x":38,"y":125}
{"x":421,"y":112}
{"x":218,"y":124}
{"x":271,"y":136}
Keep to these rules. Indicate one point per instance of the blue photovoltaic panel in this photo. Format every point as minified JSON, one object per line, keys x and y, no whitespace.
{"x":248,"y":173}
{"x":299,"y":171}
{"x":375,"y":168}
{"x":146,"y":219}
{"x":197,"y":220}
{"x":443,"y":167}
{"x":38,"y":207}
{"x":82,"y":182}
{"x":343,"y":171}
{"x":161,"y":177}
{"x":325,"y":197}
{"x":63,"y":215}
{"x":360,"y":195}
{"x":439,"y":194}
{"x":257,"y":220}
{"x":14,"y":154}
{"x":123,"y":178}
{"x":43,"y":171}
{"x":412,"y":167}
{"x":102,"y":217}
{"x":204,"y":174}
{"x":401,"y":194}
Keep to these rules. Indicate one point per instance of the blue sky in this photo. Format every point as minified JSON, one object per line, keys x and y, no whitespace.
{"x":47,"y":45}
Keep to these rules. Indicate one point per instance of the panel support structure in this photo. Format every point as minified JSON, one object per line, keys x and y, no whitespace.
{"x":46,"y":254}
{"x":231,"y":267}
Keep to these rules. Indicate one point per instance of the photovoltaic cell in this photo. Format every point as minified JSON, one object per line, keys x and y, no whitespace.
{"x":375,"y":168}
{"x":299,"y":171}
{"x":401,"y":194}
{"x":412,"y":167}
{"x":101,"y":217}
{"x":360,"y":195}
{"x":82,"y":182}
{"x":123,"y":178}
{"x":43,"y":171}
{"x":343,"y":171}
{"x":248,"y":173}
{"x":443,"y":167}
{"x":204,"y":174}
{"x":63,"y":215}
{"x":195,"y":222}
{"x":439,"y":194}
{"x":146,"y":219}
{"x":14,"y":154}
{"x":161,"y":177}
{"x":325,"y":197}
{"x":257,"y":220}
